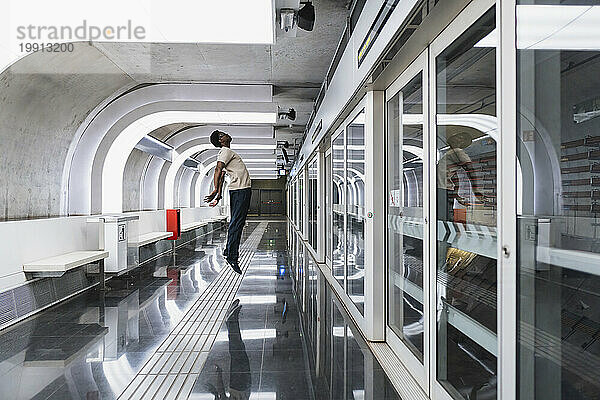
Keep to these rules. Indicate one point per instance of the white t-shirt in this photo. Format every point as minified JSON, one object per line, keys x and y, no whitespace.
{"x":235,"y":168}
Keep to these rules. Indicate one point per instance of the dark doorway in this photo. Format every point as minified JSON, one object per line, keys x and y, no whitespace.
{"x":271,"y":202}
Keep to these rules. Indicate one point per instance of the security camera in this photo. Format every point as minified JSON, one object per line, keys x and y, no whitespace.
{"x":287,"y":19}
{"x":290,"y":114}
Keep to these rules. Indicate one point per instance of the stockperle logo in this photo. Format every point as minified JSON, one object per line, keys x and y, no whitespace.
{"x":84,"y":31}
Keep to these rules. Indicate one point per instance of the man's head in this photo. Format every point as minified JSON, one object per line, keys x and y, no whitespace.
{"x":459,"y":140}
{"x":220,"y":139}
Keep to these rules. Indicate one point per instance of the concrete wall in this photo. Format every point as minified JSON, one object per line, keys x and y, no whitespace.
{"x":269,"y":183}
{"x":132,"y":176}
{"x":44,"y":98}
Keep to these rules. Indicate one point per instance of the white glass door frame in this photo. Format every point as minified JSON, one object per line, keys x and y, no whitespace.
{"x":342,"y":291}
{"x":328,"y":180}
{"x":313,"y":158}
{"x":304,"y":202}
{"x":420,"y":371}
{"x":457,"y":27}
{"x":506,"y":82}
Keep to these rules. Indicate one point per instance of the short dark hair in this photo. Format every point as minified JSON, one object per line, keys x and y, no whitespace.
{"x":214,"y":138}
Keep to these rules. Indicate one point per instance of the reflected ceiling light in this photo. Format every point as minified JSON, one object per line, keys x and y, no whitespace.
{"x":260,"y":278}
{"x":359,"y":120}
{"x":491,"y":40}
{"x":260,"y":299}
{"x":558,"y":27}
{"x":249,"y":334}
{"x":358,"y":394}
{"x":487,"y":124}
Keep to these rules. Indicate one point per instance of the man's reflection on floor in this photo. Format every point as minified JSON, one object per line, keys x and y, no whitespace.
{"x":240,"y":380}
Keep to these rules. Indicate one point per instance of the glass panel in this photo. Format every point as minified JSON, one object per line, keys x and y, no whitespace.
{"x":558,"y":201}
{"x":328,"y":212}
{"x":466,"y":280}
{"x":338,"y":260}
{"x":295,"y":202}
{"x":338,"y":333}
{"x":405,"y":214}
{"x":355,"y":195}
{"x":301,"y":204}
{"x":312,"y":204}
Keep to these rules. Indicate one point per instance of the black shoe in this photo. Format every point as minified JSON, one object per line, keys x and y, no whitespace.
{"x":235,"y":265}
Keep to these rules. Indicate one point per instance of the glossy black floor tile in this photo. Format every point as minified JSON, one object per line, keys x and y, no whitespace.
{"x":92,"y":346}
{"x":269,"y":347}
{"x":270,"y":340}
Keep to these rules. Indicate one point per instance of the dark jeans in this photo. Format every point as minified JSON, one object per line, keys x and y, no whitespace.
{"x":239,"y":205}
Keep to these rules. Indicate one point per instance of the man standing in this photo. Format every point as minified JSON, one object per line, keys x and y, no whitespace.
{"x":228,"y":161}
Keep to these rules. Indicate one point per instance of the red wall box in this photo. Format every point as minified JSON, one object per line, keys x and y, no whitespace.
{"x":174,"y":224}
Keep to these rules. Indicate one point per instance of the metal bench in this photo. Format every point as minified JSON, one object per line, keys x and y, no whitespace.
{"x":54,"y":267}
{"x":151,"y":237}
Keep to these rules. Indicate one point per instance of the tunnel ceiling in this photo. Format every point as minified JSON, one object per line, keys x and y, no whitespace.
{"x":295,"y":66}
{"x":291,"y":61}
{"x":164,"y":132}
{"x":63,"y":95}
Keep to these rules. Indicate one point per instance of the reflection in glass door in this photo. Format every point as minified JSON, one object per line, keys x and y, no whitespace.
{"x":338,"y":259}
{"x":355,"y":195}
{"x":312,"y":204}
{"x":328,"y":212}
{"x":405,"y":221}
{"x":466,"y":279}
{"x":558,"y":230}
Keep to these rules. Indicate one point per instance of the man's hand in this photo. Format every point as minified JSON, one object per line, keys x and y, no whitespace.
{"x":215,"y":201}
{"x":211,"y":196}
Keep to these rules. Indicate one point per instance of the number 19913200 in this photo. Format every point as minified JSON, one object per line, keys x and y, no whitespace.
{"x":47,"y":47}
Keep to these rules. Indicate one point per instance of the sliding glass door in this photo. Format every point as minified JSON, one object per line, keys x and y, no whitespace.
{"x":463,"y":65}
{"x":558,"y":206}
{"x":442,"y":132}
{"x":406,"y":104}
{"x":338,"y":256}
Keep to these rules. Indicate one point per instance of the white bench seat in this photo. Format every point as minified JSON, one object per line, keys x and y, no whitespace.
{"x":193,"y":225}
{"x":152,"y":237}
{"x":58,"y":265}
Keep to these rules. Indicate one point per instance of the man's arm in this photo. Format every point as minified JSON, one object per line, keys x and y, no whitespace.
{"x":218,"y":179}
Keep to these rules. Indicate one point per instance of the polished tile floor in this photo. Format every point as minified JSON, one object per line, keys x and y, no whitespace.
{"x":92,"y":346}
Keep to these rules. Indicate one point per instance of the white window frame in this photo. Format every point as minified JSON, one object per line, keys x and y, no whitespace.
{"x":419,"y":370}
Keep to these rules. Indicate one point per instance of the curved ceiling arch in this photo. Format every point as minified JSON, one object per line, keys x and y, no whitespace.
{"x":190,"y":148}
{"x":116,"y":156}
{"x":106,"y":121}
{"x":153,"y":179}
